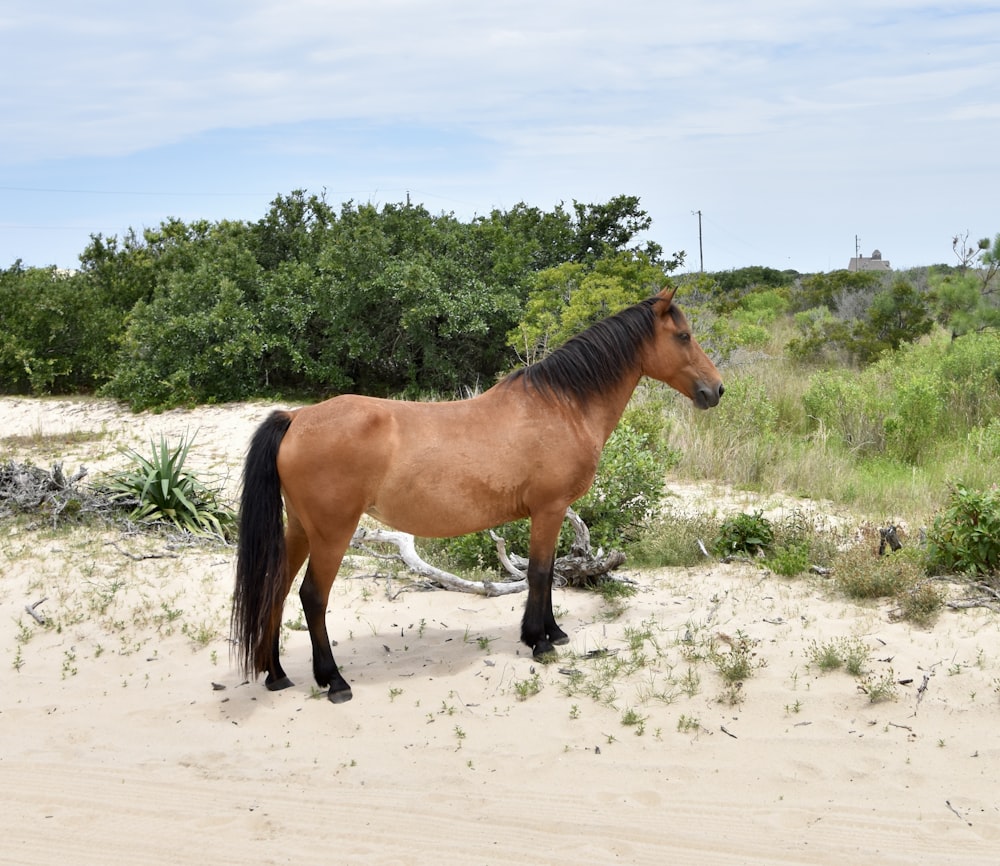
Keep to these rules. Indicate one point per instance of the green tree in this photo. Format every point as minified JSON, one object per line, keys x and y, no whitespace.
{"x":56,"y":332}
{"x":611,"y":227}
{"x":569,"y":297}
{"x":967,"y":300}
{"x":198,"y":339}
{"x":897,"y":315}
{"x":829,"y":290}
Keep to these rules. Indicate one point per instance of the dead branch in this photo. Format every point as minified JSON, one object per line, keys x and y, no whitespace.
{"x":404,"y":542}
{"x":990,"y":598}
{"x":139,"y":557}
{"x":578,"y":568}
{"x":32,"y":610}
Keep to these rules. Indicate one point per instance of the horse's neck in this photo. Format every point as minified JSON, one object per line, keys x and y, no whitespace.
{"x":605,"y":412}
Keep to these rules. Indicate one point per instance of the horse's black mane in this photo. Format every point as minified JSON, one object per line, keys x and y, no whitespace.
{"x":595,"y":359}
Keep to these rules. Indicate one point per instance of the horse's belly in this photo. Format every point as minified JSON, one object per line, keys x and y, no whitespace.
{"x":442,"y":517}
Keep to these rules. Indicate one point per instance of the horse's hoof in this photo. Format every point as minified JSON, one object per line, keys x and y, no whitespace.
{"x":341,"y":696}
{"x":559,"y":638}
{"x":278,"y":684}
{"x":544,"y":652}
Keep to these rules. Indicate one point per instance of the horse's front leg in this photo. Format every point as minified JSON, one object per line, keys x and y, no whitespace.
{"x":555,"y":634}
{"x":539,"y":629}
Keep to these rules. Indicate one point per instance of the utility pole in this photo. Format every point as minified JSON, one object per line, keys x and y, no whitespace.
{"x":701,"y":253}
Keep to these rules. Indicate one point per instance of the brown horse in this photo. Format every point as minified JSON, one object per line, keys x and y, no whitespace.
{"x":527,"y":447}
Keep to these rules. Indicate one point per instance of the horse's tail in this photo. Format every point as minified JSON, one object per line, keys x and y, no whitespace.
{"x":261,"y":564}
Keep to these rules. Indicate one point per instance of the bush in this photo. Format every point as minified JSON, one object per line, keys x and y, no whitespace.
{"x":920,"y":604}
{"x":744,"y":533}
{"x":790,"y":559}
{"x":158,"y":489}
{"x":841,"y":405}
{"x":672,"y":540}
{"x":965,"y":537}
{"x":860,"y":574}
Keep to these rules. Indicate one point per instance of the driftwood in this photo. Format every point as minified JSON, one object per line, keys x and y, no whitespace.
{"x":989,"y":598}
{"x":579,"y":567}
{"x":889,"y":540}
{"x":25,"y":488}
{"x":32,"y":610}
{"x":404,"y":542}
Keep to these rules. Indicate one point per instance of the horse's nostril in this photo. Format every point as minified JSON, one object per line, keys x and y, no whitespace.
{"x":722,"y":390}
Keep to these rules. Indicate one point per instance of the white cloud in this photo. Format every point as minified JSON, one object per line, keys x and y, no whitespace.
{"x":698,"y":102}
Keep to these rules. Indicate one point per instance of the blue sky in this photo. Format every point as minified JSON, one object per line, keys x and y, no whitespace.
{"x":793,"y":126}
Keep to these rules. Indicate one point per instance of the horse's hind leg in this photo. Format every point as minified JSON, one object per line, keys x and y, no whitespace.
{"x":315,"y":593}
{"x":296,"y":551}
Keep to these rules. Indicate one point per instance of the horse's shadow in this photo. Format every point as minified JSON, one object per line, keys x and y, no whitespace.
{"x":383,"y":659}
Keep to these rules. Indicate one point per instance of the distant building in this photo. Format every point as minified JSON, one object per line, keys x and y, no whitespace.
{"x":875,"y":263}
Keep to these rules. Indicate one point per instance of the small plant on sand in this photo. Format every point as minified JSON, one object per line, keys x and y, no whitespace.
{"x":632,"y":719}
{"x":920,"y":604}
{"x":739,"y":662}
{"x":158,"y":489}
{"x":879,"y":688}
{"x":687,"y":724}
{"x":530,"y":687}
{"x":735,"y":665}
{"x":615,"y":594}
{"x":848,"y":653}
{"x":747,"y":534}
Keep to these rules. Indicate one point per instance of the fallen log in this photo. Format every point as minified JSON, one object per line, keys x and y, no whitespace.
{"x":405,"y":544}
{"x":578,"y":568}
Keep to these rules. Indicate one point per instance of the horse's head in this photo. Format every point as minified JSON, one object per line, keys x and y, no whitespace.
{"x":675,"y":357}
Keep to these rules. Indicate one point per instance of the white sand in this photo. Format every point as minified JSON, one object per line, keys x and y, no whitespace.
{"x":118,"y":748}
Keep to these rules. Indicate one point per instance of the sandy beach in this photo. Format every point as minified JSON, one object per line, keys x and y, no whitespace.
{"x":129,"y":738}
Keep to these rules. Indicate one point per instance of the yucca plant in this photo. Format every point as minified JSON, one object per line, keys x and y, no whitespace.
{"x":159,"y":490}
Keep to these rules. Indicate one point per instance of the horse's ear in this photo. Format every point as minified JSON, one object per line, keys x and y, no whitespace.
{"x":667,"y":294}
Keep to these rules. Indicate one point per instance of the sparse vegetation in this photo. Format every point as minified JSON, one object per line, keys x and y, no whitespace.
{"x":848,"y":653}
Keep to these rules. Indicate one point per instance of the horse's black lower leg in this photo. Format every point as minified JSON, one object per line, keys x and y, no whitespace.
{"x":324,"y":667}
{"x":552,"y":631}
{"x":276,"y":678}
{"x":538,"y":627}
{"x":555,"y":634}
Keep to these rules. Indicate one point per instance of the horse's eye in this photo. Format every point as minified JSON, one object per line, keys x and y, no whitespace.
{"x":684,"y":337}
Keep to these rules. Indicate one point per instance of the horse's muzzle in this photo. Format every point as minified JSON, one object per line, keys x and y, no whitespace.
{"x":705,"y":396}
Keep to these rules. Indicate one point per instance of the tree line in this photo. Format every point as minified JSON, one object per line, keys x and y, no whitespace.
{"x":310,"y":300}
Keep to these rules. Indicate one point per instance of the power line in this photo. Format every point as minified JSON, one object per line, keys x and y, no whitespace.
{"x":125,"y":192}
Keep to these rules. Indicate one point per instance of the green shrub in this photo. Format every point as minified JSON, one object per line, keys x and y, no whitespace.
{"x":158,"y":489}
{"x":918,"y":413}
{"x":790,"y":559}
{"x":843,"y":406}
{"x":965,"y":537}
{"x":744,"y":533}
{"x":859,"y":573}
